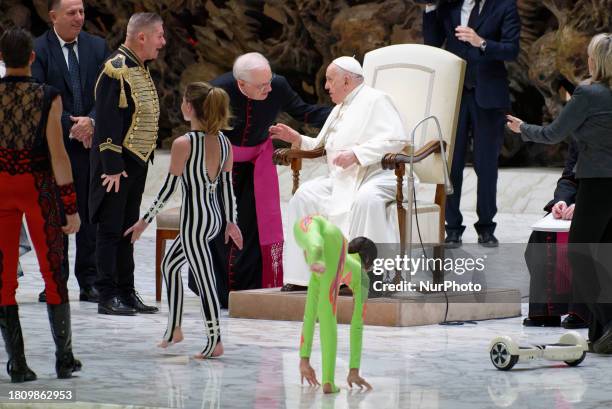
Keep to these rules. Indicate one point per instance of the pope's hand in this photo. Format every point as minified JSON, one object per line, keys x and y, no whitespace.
{"x":284,"y":133}
{"x":345,"y":159}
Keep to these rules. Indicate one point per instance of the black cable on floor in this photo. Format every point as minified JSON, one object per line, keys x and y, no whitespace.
{"x":445,"y":321}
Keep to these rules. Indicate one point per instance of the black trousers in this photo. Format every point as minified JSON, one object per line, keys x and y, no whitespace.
{"x":114,"y":252}
{"x":592,"y":224}
{"x":486,"y":128}
{"x":85,"y":261}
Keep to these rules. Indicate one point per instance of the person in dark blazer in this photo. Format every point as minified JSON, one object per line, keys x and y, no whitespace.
{"x":70,"y":60}
{"x":588,"y":118}
{"x":485,"y":33}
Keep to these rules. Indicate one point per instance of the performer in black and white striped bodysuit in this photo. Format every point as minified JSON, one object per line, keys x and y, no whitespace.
{"x":202,"y":160}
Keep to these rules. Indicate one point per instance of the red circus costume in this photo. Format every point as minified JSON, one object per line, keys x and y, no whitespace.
{"x":28,"y":187}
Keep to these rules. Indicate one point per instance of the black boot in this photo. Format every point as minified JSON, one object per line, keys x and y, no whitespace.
{"x":65,"y":362}
{"x":16,"y":367}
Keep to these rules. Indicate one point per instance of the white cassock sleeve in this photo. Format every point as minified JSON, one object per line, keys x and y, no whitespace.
{"x":308,"y":143}
{"x":385,"y":130}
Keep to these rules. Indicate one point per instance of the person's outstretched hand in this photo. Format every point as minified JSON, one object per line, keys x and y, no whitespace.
{"x":514,"y":123}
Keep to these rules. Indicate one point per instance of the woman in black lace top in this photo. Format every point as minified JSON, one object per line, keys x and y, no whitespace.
{"x":34,"y":173}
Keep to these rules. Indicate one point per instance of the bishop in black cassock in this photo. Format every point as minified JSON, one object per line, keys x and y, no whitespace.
{"x":259,"y":263}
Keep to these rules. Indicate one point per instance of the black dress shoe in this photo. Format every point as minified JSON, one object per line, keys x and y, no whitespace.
{"x":89,"y":294}
{"x":293,"y":287}
{"x":574,"y":322}
{"x":115,"y":306}
{"x":487,"y":239}
{"x":42,"y":297}
{"x":603,"y":345}
{"x":453,"y":240}
{"x":134,"y":301}
{"x":544,"y":321}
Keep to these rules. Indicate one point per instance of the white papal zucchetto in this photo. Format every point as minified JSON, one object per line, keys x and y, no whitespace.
{"x":349,"y":64}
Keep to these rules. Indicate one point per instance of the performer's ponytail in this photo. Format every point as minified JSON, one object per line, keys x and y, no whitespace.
{"x":211,"y":106}
{"x":366,"y":249}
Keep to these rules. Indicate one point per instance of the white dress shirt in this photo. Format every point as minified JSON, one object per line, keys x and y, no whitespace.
{"x":466,"y":10}
{"x":65,"y":50}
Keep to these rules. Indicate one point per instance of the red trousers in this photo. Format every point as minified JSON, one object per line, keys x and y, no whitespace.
{"x":35,"y":195}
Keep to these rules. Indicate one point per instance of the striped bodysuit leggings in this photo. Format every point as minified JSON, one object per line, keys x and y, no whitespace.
{"x":200,"y":221}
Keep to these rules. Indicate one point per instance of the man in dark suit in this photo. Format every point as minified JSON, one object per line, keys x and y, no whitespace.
{"x":485,"y":33}
{"x":70,"y":59}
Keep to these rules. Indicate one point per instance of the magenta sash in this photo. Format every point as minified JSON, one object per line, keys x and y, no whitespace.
{"x":267,"y":207}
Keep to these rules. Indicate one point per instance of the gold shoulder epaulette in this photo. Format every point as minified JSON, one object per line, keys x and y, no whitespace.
{"x":116,"y":68}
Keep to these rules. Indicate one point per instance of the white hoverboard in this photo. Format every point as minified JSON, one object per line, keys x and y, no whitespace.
{"x":505,"y":352}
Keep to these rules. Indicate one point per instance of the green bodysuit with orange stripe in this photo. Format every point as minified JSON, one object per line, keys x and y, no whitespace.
{"x":324,"y":244}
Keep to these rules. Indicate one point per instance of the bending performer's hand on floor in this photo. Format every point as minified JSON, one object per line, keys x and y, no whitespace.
{"x":354,"y":378}
{"x":307,"y":372}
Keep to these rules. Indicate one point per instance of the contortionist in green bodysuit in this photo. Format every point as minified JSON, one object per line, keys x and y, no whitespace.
{"x":326,"y":251}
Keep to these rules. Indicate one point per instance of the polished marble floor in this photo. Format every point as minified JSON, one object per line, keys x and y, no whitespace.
{"x":419,"y":367}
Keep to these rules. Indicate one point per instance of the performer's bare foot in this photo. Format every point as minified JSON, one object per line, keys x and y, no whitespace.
{"x":217,"y":352}
{"x":327,"y":388}
{"x":177,"y":336}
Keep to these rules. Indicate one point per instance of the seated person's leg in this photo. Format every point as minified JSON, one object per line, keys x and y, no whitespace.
{"x":309,"y":199}
{"x":369,"y":211}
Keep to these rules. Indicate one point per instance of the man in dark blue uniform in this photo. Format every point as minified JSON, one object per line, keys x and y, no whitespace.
{"x":127,"y":109}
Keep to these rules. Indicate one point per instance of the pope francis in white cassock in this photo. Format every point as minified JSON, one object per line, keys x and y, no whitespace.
{"x":363,"y":127}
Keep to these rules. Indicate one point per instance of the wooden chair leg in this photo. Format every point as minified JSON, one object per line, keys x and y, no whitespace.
{"x":401,"y":216}
{"x":440,"y":200}
{"x":160,"y":247}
